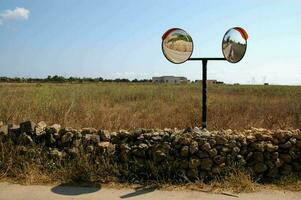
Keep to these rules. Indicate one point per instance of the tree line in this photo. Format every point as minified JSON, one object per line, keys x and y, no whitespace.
{"x":62,"y":79}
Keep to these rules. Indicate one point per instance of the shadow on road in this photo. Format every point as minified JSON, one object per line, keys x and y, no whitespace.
{"x":140,"y":191}
{"x":68,"y":189}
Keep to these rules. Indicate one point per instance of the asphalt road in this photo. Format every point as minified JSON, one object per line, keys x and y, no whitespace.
{"x":234,"y":52}
{"x":36,"y":192}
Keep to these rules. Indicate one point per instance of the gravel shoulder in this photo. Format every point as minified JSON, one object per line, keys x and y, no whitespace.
{"x":9,"y":191}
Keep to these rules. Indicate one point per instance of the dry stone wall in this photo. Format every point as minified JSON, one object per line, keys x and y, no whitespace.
{"x":190,"y":154}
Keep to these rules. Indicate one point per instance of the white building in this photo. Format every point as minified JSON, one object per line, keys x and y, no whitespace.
{"x":170,"y":79}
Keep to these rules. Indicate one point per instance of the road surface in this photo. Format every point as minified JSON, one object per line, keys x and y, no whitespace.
{"x":35,"y":192}
{"x":176,"y":56}
{"x":234,"y":52}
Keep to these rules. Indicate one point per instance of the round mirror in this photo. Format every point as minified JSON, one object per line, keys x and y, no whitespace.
{"x":177,"y":45}
{"x":235,"y":44}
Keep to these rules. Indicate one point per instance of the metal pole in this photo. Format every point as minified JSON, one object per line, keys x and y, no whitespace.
{"x":204,"y":94}
{"x":204,"y":86}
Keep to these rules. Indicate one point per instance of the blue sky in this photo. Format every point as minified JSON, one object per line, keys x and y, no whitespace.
{"x":122,"y":39}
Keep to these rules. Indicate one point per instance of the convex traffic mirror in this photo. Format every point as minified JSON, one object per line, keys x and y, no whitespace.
{"x":177,"y":45}
{"x":234,"y":44}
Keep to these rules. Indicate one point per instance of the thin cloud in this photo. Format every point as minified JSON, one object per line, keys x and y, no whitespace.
{"x":12,"y":15}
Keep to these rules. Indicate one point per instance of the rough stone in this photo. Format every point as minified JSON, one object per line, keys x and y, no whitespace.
{"x":258,"y":156}
{"x":212,"y":142}
{"x":275,"y":155}
{"x":286,"y":169}
{"x":90,"y":148}
{"x":293,"y":141}
{"x":221,"y":140}
{"x":286,"y":145}
{"x":270,"y":164}
{"x":241,"y":160}
{"x":271,"y":148}
{"x":193,"y":147}
{"x":251,"y":138}
{"x":202,"y":154}
{"x":138,"y":153}
{"x":219,"y":159}
{"x":206,"y":146}
{"x":4,"y":130}
{"x":259,"y":146}
{"x":103,"y":146}
{"x":159,"y":155}
{"x":260,"y":167}
{"x":53,"y":129}
{"x":73,"y":152}
{"x":26,"y":139}
{"x":40,"y":128}
{"x":297,"y":166}
{"x":76,"y":143}
{"x":226,"y":149}
{"x":157,"y":138}
{"x":142,"y":146}
{"x":197,"y":130}
{"x":213,"y":152}
{"x":285,"y":158}
{"x":56,"y":154}
{"x":206,"y":164}
{"x":88,"y":130}
{"x":67,"y":137}
{"x":185,"y":151}
{"x":122,"y":134}
{"x":232,"y":144}
{"x":278,"y":162}
{"x":104,"y":135}
{"x":185,"y":139}
{"x":27,"y":127}
{"x":258,"y":136}
{"x":194,"y":162}
{"x":14,"y":129}
{"x":93,"y":138}
{"x":235,"y":150}
{"x":50,"y":139}
{"x":267,"y":137}
{"x":250,"y":155}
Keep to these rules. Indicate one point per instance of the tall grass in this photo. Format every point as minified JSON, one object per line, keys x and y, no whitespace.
{"x":125,"y":106}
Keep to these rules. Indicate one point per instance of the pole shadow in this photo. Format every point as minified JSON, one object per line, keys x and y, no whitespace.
{"x":140,"y":191}
{"x":74,"y":190}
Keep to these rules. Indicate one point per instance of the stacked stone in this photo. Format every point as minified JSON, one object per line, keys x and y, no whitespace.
{"x":193,"y":153}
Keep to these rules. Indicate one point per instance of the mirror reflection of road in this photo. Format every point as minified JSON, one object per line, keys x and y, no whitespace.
{"x":176,"y":56}
{"x":234,"y":52}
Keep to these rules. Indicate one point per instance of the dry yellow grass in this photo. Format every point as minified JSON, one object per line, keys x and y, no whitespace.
{"x":125,"y":106}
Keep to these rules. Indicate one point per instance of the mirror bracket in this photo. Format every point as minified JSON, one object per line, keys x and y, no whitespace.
{"x":206,"y":59}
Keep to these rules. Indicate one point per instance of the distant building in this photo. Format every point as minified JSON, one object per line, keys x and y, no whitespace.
{"x":210,"y":82}
{"x":170,"y":79}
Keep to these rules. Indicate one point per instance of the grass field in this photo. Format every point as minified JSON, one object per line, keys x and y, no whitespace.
{"x":115,"y":106}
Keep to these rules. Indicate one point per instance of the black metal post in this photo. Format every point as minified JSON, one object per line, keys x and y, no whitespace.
{"x":204,"y":94}
{"x":204,"y":86}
